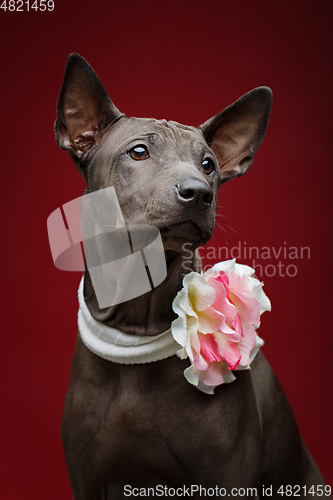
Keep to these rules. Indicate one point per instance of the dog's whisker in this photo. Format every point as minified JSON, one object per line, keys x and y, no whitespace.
{"x":224,"y":216}
{"x":220,"y":227}
{"x":221,"y":220}
{"x":217,"y":230}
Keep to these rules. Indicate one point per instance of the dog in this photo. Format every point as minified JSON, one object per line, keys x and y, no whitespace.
{"x":141,"y":429}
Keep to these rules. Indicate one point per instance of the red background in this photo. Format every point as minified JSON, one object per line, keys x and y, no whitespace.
{"x":180,"y":60}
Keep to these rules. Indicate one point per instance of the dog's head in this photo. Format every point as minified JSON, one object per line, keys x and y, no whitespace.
{"x":164,"y":173}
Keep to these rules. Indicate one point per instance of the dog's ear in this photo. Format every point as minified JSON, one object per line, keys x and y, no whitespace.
{"x":84,"y":108}
{"x":236,"y":133}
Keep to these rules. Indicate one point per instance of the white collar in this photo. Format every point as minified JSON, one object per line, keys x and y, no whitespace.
{"x":119,"y":347}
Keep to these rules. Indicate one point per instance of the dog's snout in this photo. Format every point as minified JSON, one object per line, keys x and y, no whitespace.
{"x":194,"y":192}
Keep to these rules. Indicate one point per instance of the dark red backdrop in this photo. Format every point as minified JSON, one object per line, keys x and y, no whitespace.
{"x":183,"y":61}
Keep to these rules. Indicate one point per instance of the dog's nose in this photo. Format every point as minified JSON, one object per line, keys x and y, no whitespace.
{"x":195,"y":192}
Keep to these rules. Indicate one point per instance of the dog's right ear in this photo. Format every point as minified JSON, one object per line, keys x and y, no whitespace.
{"x":84,"y":108}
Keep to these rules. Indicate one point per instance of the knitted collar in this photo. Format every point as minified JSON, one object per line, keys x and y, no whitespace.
{"x":114,"y":345}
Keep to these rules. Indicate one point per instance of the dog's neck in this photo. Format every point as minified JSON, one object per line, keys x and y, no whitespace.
{"x":151,"y":313}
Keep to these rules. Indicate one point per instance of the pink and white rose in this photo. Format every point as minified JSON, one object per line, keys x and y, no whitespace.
{"x":219,"y":312}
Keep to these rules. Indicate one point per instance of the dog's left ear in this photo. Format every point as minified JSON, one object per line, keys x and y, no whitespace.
{"x":236,"y":133}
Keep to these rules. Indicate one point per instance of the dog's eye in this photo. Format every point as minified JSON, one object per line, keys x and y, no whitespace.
{"x":208,"y":165}
{"x":139,"y":152}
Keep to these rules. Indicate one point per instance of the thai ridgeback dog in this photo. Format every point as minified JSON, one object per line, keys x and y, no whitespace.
{"x":141,"y":429}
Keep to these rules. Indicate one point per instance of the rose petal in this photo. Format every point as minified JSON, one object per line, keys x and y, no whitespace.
{"x":259,"y":294}
{"x":180,"y":304}
{"x":258,"y":345}
{"x":243,"y":270}
{"x":182,"y":354}
{"x":223,"y":278}
{"x":221,"y":302}
{"x":247,"y":344}
{"x":209,"y":348}
{"x":247,"y":306}
{"x":228,"y":350}
{"x":225,"y":266}
{"x":193,"y":345}
{"x":213,"y":375}
{"x":227,"y":374}
{"x":198,"y":360}
{"x":207,"y":389}
{"x":185,"y":305}
{"x":230,"y":332}
{"x":207,"y":322}
{"x":192,"y":375}
{"x":237,"y":325}
{"x":201,"y":363}
{"x":200,"y":295}
{"x":179,"y":330}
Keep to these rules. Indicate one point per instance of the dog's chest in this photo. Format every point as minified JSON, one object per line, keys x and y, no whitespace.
{"x":144,"y":424}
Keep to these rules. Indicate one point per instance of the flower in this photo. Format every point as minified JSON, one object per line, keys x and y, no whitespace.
{"x":218,"y":314}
